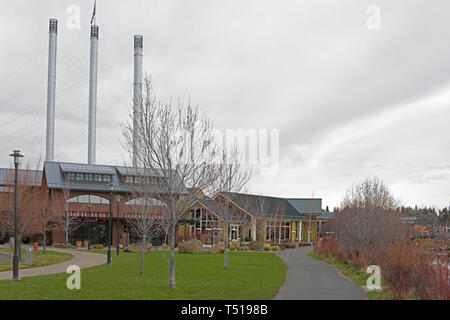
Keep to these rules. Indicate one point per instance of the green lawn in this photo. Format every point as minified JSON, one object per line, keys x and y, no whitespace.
{"x":40,"y":259}
{"x":250,"y":275}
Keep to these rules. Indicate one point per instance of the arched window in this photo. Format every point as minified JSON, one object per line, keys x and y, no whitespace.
{"x":145,"y":202}
{"x":88,"y":198}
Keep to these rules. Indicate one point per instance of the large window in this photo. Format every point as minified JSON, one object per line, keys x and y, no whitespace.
{"x":88,"y":198}
{"x":129,"y":179}
{"x":6,"y":189}
{"x":204,"y":220}
{"x":234,"y":232}
{"x":88,"y":177}
{"x":145,"y":202}
{"x":154,"y":181}
{"x":278,"y":230}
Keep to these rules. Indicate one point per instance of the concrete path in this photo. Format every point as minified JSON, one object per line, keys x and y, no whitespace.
{"x":309,"y":279}
{"x":81,"y":258}
{"x":4,"y":256}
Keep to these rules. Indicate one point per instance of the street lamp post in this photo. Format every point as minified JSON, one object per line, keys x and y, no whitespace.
{"x":16,"y":154}
{"x":117,"y":222}
{"x":111,"y":188}
{"x":90,"y":226}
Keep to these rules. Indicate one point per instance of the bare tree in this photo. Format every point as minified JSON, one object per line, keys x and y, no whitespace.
{"x":259,"y":208}
{"x":29,"y":196}
{"x":311,"y":201}
{"x":276,"y":209}
{"x":147,"y":217}
{"x":60,"y":202}
{"x":45,"y":217}
{"x":368,"y":220}
{"x":231,"y":176}
{"x":175,"y":143}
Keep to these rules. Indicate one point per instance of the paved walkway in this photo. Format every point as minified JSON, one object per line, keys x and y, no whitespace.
{"x":81,"y":258}
{"x":309,"y":279}
{"x":4,"y":256}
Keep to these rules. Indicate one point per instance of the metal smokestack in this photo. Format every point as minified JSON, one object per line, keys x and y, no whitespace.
{"x":51,"y":85}
{"x":137,"y":94}
{"x":93,"y":94}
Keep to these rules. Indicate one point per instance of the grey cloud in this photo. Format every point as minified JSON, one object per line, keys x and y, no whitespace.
{"x":309,"y":68}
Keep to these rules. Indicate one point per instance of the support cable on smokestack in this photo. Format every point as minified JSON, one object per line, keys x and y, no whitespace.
{"x":93,"y":94}
{"x":137,"y":95}
{"x":51,"y":89}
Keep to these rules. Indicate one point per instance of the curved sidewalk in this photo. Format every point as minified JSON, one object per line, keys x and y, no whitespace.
{"x":83,"y":259}
{"x":309,"y":279}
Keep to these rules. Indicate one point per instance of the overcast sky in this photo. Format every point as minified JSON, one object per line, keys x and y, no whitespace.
{"x":349,"y":101}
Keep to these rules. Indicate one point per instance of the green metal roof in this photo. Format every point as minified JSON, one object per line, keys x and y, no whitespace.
{"x":307,"y":205}
{"x":268,"y":207}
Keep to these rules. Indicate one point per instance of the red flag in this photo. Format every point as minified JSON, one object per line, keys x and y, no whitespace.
{"x":93,"y":13}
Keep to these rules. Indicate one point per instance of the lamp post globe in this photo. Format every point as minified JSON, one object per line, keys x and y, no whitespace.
{"x":16,"y":155}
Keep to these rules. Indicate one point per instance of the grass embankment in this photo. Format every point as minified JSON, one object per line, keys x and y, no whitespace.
{"x":249,"y":275}
{"x":40,"y":259}
{"x":357,"y":276}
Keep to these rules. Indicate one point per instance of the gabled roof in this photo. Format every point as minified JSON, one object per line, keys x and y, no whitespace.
{"x":29,"y":177}
{"x":86,"y":168}
{"x":326,"y":215}
{"x":269,"y":207}
{"x":219,"y":210}
{"x":306,"y":205}
{"x":55,"y":179}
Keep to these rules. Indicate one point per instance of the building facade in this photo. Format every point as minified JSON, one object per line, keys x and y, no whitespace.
{"x":89,"y":194}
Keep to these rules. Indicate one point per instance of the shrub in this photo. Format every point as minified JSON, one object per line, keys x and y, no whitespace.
{"x":255,"y":245}
{"x":97,"y":246}
{"x":267,"y":246}
{"x":275,"y":248}
{"x":191,"y":246}
{"x":290,"y":245}
{"x":62,"y":245}
{"x":245,"y":247}
{"x":234,"y":245}
{"x":217,"y":249}
{"x":410,"y":270}
{"x":137,"y":247}
{"x":303,"y":244}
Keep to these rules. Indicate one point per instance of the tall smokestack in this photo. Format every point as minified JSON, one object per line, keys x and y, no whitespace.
{"x":137,"y":94}
{"x":93,"y":94}
{"x":51,"y":85}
